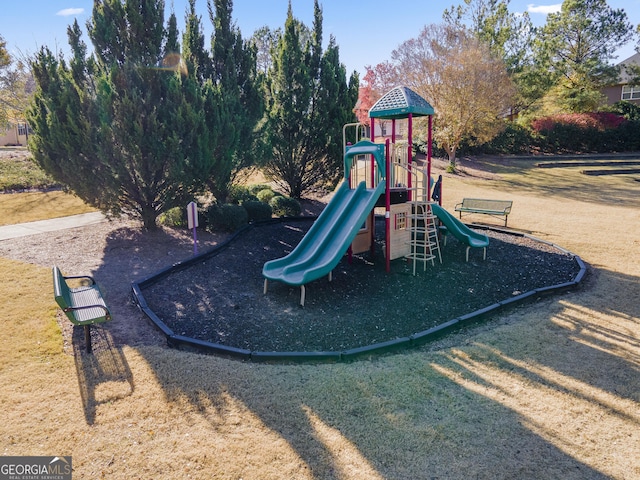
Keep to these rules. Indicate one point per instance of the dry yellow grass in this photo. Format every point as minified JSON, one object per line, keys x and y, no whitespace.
{"x":549,"y":390}
{"x":32,"y":206}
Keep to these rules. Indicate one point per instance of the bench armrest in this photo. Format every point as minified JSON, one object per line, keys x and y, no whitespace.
{"x":79,"y":277}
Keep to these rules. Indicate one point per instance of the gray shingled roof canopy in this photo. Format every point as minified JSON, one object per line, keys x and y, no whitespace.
{"x":624,"y":77}
{"x":399,"y":103}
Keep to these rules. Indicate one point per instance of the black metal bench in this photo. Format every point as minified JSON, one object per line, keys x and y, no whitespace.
{"x":83,"y":305}
{"x":495,"y":208}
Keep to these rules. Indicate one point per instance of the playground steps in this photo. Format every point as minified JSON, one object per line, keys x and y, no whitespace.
{"x":424,"y":244}
{"x":419,"y":190}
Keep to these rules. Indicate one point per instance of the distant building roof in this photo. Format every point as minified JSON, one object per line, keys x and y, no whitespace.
{"x":399,"y":103}
{"x":632,"y":60}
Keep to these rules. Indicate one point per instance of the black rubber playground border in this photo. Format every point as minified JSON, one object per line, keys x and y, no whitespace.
{"x":416,"y":339}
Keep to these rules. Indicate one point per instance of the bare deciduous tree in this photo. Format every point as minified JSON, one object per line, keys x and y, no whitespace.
{"x":16,"y":86}
{"x":469,"y":88}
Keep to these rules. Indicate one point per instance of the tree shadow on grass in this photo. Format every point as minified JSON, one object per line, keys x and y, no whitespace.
{"x":463,"y":407}
{"x":622,"y":289}
{"x":561,"y":183}
{"x":513,"y":405}
{"x":402,"y":416}
{"x":603,"y":323}
{"x":435,"y":412}
{"x":447,"y":413}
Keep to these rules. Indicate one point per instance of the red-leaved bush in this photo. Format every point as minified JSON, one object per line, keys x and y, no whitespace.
{"x":599,"y":120}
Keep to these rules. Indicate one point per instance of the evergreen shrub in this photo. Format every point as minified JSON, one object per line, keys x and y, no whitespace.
{"x":628,"y":110}
{"x":226,"y":217}
{"x":601,"y":132}
{"x":257,"y":187}
{"x":266,"y":195}
{"x":174,"y":217}
{"x":285,"y":206}
{"x":514,"y":139}
{"x":238,"y":194}
{"x":257,"y":210}
{"x":628,"y":135}
{"x":580,"y":132}
{"x":595,"y":120}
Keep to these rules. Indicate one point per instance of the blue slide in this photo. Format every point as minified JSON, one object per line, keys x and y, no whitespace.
{"x":327,"y":240}
{"x":461,"y":231}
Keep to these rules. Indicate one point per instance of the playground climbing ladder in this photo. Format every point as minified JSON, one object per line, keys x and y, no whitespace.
{"x":424,"y":245}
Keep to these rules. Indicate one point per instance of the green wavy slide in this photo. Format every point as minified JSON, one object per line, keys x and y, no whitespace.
{"x":327,"y":240}
{"x":459,"y":230}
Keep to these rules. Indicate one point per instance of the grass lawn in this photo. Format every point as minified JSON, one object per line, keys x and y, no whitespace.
{"x":31,"y":206}
{"x":548,"y":390}
{"x":18,"y":173}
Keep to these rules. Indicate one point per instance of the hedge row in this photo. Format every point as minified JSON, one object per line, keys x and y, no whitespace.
{"x":243,"y":205}
{"x":600,"y":132}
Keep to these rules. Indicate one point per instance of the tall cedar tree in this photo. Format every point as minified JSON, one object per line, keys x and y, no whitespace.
{"x":231,"y":89}
{"x":308,"y":101}
{"x":234,"y":72}
{"x":123,"y":130}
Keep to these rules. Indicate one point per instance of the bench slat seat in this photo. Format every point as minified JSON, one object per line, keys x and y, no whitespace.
{"x":495,"y":208}
{"x":87,"y":306}
{"x":82,"y":305}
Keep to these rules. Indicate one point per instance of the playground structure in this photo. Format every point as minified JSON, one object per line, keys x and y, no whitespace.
{"x":377,"y":175}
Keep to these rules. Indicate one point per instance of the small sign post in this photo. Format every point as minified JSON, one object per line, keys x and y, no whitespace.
{"x":192,"y":220}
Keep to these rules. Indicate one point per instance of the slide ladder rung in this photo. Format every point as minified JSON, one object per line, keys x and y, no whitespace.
{"x":424,"y":243}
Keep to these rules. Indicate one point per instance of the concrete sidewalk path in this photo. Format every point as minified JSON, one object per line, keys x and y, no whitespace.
{"x":42,"y":226}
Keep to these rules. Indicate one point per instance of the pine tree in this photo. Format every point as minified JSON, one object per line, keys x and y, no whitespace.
{"x":308,"y":100}
{"x":231,"y":89}
{"x":240,"y":102}
{"x":125,"y":129}
{"x":574,"y":49}
{"x":336,"y":99}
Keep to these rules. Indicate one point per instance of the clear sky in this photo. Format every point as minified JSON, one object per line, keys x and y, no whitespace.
{"x":366,"y":31}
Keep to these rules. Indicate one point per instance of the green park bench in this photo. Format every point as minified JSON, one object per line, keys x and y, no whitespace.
{"x":495,"y":208}
{"x":83,"y":305}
